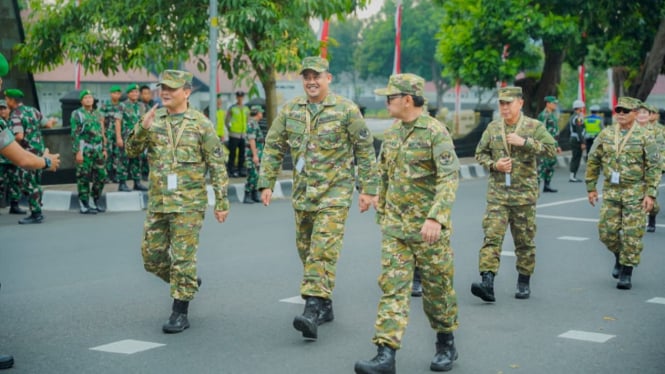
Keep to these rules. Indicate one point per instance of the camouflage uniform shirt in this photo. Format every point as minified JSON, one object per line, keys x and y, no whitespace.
{"x":28,"y":120}
{"x":338,"y":133}
{"x":87,"y":129}
{"x":418,"y":171}
{"x":131,"y":113}
{"x":198,"y":151}
{"x":524,"y":176}
{"x":551,"y":124}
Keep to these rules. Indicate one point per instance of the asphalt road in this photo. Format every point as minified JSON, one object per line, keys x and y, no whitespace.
{"x":76,"y":283}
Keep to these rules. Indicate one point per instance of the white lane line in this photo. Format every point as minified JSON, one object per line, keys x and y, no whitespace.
{"x":565,"y":218}
{"x":562,"y":202}
{"x":293,"y":300}
{"x":573,"y":238}
{"x":508,"y":253}
{"x":586,"y":336}
{"x":657,"y":300}
{"x":128,"y":346}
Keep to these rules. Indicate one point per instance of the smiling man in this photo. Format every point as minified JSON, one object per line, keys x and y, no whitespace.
{"x":325,"y":133}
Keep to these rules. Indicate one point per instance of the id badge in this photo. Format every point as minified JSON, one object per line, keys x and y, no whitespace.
{"x":614,"y":178}
{"x":172,"y":181}
{"x":300,"y":164}
{"x":507,"y":180}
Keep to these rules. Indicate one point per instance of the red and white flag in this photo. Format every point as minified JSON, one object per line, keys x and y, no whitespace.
{"x":322,"y":36}
{"x":397,"y":62}
{"x":581,"y":95}
{"x":77,"y":76}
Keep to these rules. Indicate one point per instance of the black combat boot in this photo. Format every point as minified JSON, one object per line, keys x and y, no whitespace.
{"x":382,"y":363}
{"x":624,"y":278}
{"x":307,"y":323}
{"x":138,"y":186}
{"x":485,"y":289}
{"x":326,"y":312}
{"x":616,"y":270}
{"x":417,"y":286}
{"x":100,"y":205}
{"x":122,"y":187}
{"x":651,"y":227}
{"x":523,"y":291}
{"x":15,"y":208}
{"x":256,"y":196}
{"x":32,"y":218}
{"x":247,"y":199}
{"x":548,"y":188}
{"x":84,"y":207}
{"x":446,"y":352}
{"x":178,"y":321}
{"x":6,"y":361}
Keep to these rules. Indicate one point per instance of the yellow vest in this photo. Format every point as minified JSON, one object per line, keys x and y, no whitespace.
{"x":221,"y":116}
{"x":239,"y":117}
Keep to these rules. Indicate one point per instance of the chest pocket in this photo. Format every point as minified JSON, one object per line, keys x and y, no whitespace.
{"x":295,"y":131}
{"x":417,"y":160}
{"x":633,"y":153}
{"x":330,"y":134}
{"x":189,"y":147}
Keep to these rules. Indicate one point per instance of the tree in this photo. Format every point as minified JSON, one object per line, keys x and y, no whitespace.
{"x":344,"y":39}
{"x":260,"y":38}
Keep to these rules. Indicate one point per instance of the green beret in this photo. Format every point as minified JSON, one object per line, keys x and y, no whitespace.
{"x":115,"y":88}
{"x":14,"y":93}
{"x":256,"y":109}
{"x":84,"y":93}
{"x":132,"y":87}
{"x":4,"y":65}
{"x":219,"y":95}
{"x":551,"y":99}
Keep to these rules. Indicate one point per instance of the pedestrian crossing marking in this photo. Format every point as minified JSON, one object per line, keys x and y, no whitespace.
{"x":586,"y":336}
{"x":657,"y":300}
{"x":573,"y":238}
{"x":508,"y":253}
{"x":127,"y":346}
{"x":293,"y":300}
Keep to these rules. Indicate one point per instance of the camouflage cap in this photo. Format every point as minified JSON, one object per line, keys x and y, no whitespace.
{"x":14,"y":93}
{"x":510,"y":93}
{"x":409,"y":84}
{"x":84,"y":93}
{"x":318,"y":64}
{"x":628,"y":103}
{"x":175,"y":78}
{"x":4,"y":65}
{"x":3,"y":104}
{"x":115,"y":88}
{"x":256,"y":109}
{"x":551,"y":99}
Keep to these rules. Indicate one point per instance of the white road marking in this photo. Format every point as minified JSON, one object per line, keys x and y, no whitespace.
{"x":566,"y":218}
{"x":573,"y":238}
{"x":657,"y":300}
{"x":128,"y":346}
{"x":508,"y":253}
{"x":293,"y":300}
{"x":586,"y":336}
{"x":563,"y":202}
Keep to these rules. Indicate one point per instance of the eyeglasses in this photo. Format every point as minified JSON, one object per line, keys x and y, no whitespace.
{"x":623,"y":110}
{"x":393,"y":97}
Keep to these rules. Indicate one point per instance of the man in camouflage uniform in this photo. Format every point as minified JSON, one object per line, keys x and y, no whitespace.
{"x":649,"y":120}
{"x":629,"y":159}
{"x":182,"y":146}
{"x":547,"y":164}
{"x":112,"y":112}
{"x":129,"y":167}
{"x":509,"y":148}
{"x":253,"y":153}
{"x":577,"y":138}
{"x":9,"y":173}
{"x":418,"y":171}
{"x":89,"y":149}
{"x":26,"y":123}
{"x":324,"y":132}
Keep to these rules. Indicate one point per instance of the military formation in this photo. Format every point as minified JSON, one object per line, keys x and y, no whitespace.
{"x":412,"y":185}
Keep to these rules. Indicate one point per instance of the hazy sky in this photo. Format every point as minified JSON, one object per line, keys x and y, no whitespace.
{"x":373,"y":7}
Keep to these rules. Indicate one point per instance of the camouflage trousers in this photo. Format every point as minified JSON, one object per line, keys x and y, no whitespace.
{"x":91,"y":171}
{"x":170,"y":243}
{"x":522,"y":221}
{"x":546,"y":169}
{"x":252,"y":171}
{"x":398,"y":261}
{"x":127,"y":168}
{"x":32,"y":187}
{"x":11,"y":176}
{"x":656,"y":206}
{"x":621,"y":228}
{"x":111,"y":155}
{"x":319,"y":236}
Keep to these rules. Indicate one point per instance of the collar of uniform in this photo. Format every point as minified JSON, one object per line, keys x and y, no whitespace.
{"x":330,"y":100}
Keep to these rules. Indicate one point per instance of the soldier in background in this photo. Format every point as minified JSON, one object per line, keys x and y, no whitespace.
{"x":129,"y":167}
{"x":10,"y":174}
{"x":26,"y":123}
{"x":414,"y":209}
{"x":643,"y":118}
{"x":547,"y":164}
{"x":236,"y":123}
{"x":509,"y":148}
{"x":628,"y":157}
{"x":182,"y":146}
{"x":89,"y":149}
{"x":324,"y":132}
{"x":577,"y":142}
{"x":253,"y":154}
{"x":112,"y":112}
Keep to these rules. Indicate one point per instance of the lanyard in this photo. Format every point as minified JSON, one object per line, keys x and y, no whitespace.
{"x":174,"y":143}
{"x":619,"y":147}
{"x":503,"y":129}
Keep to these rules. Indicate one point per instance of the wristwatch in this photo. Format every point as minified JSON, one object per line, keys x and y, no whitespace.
{"x":47,"y":163}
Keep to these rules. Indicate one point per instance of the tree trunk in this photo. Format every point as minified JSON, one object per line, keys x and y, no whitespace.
{"x":549,"y":80}
{"x":270,"y":87}
{"x":646,"y":79}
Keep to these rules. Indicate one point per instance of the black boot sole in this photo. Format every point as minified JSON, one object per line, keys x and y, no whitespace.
{"x":478,"y":290}
{"x":360,"y":369}
{"x":174,"y":330}
{"x":308,"y":328}
{"x":447,"y":367}
{"x":624,"y":286}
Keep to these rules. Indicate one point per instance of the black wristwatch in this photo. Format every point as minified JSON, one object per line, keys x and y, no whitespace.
{"x":47,"y":163}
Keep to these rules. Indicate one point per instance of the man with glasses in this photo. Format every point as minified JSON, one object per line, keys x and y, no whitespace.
{"x":627,"y":155}
{"x":325,"y":133}
{"x":509,"y":148}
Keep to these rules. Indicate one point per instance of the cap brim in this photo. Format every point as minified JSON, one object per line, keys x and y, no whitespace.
{"x":508,"y":99}
{"x":312,"y":69}
{"x":170,"y":83}
{"x":387,"y":91}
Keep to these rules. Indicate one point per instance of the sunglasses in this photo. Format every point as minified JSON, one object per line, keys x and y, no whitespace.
{"x":623,"y":110}
{"x":393,"y":97}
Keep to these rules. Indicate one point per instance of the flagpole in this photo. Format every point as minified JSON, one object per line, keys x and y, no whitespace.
{"x":581,"y":95}
{"x":397,"y":62}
